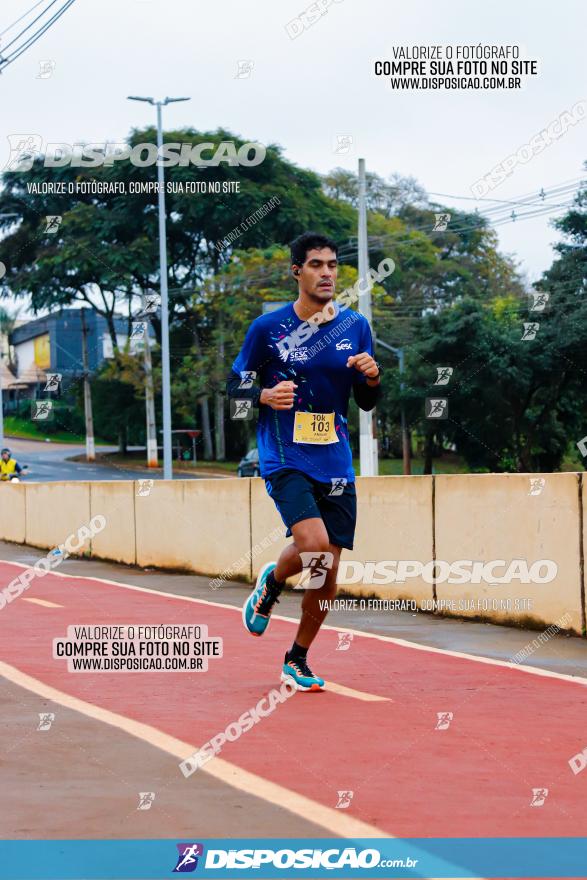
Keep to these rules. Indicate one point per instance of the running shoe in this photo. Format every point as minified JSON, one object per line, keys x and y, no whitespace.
{"x":302,"y":675}
{"x":258,"y":607}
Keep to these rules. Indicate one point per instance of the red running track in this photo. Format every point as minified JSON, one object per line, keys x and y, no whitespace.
{"x":512,"y":731}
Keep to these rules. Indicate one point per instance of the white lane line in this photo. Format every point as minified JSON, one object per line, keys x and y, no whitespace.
{"x":357,"y":695}
{"x":332,"y":820}
{"x":44,"y":602}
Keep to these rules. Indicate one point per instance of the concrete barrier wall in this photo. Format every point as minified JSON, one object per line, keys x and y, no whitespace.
{"x":229,"y":528}
{"x":497,"y":517}
{"x":115,"y":501}
{"x":54,"y":511}
{"x":12,"y":512}
{"x":394,"y":521}
{"x":196,"y":525}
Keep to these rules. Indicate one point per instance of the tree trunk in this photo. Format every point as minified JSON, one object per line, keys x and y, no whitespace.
{"x":204,"y":404}
{"x":151,"y":425}
{"x":122,"y":440}
{"x":219,"y":425}
{"x":206,"y":432}
{"x":428,"y":453}
{"x":112,"y":331}
{"x":219,"y":415}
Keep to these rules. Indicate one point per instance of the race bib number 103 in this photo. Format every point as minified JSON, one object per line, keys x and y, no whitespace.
{"x":314,"y":428}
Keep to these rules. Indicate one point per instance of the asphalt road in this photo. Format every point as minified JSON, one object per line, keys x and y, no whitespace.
{"x":48,"y":462}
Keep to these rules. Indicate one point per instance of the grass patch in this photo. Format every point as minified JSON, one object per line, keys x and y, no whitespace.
{"x":25,"y":429}
{"x":139,"y":458}
{"x":450,"y":464}
{"x":392,"y":467}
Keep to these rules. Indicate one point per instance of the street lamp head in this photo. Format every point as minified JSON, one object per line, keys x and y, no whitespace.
{"x":153,"y":101}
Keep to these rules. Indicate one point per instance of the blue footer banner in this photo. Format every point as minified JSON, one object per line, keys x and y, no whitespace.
{"x":555,"y":857}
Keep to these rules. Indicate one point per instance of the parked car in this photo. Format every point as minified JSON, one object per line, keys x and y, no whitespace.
{"x":249,"y":465}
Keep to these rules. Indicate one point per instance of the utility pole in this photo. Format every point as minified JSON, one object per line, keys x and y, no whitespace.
{"x":367,"y":442}
{"x":405,"y":434}
{"x":152,"y":460}
{"x":165,"y":368}
{"x":220,"y":438}
{"x":90,"y":447}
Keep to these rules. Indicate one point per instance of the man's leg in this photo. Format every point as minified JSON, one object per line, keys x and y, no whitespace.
{"x":293,"y":493}
{"x":313,"y":615}
{"x":310,"y":536}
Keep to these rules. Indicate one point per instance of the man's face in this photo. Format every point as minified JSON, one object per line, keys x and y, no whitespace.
{"x":5,"y":456}
{"x":317,"y":276}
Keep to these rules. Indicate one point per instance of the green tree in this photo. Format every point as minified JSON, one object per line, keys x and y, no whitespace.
{"x":513,"y":400}
{"x":106,"y":249}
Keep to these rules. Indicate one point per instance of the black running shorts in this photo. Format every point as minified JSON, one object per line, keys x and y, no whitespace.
{"x":298,"y":496}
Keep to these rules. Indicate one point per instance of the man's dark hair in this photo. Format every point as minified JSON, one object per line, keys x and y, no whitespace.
{"x":306,"y":242}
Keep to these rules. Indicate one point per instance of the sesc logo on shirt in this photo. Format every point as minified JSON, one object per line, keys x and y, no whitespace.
{"x":298,"y":354}
{"x":344,"y":345}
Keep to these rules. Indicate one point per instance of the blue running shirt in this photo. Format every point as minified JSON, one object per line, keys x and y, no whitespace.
{"x":318,"y":368}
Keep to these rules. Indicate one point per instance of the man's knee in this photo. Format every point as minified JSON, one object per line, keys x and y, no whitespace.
{"x":313,"y":542}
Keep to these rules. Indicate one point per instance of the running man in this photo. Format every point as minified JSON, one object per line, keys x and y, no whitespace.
{"x":306,"y":358}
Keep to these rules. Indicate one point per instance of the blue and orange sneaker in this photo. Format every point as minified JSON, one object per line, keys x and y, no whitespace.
{"x":302,"y":675}
{"x":258,"y":607}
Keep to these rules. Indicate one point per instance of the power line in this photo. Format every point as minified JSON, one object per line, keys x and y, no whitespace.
{"x":571,"y":180}
{"x":19,"y":51}
{"x":537,"y":198}
{"x":4,"y":62}
{"x":10,"y":26}
{"x":350,"y":249}
{"x":345,"y":252}
{"x":29,"y":26}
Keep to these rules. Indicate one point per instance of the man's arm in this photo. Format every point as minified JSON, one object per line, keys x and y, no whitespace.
{"x":249,"y":360}
{"x":280,"y":396}
{"x":367,"y":394}
{"x":367,"y":386}
{"x":233,"y":389}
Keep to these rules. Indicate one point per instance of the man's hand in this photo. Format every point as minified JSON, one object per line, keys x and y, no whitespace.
{"x":365,"y":364}
{"x":281,"y":396}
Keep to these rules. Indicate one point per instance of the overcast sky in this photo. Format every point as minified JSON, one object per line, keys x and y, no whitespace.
{"x":303,"y":93}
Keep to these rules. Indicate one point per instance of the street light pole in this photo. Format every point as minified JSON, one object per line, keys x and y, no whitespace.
{"x":165,"y":368}
{"x":367,"y":443}
{"x":88,"y":413}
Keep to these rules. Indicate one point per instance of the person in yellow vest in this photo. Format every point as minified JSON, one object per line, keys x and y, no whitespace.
{"x":9,"y":467}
